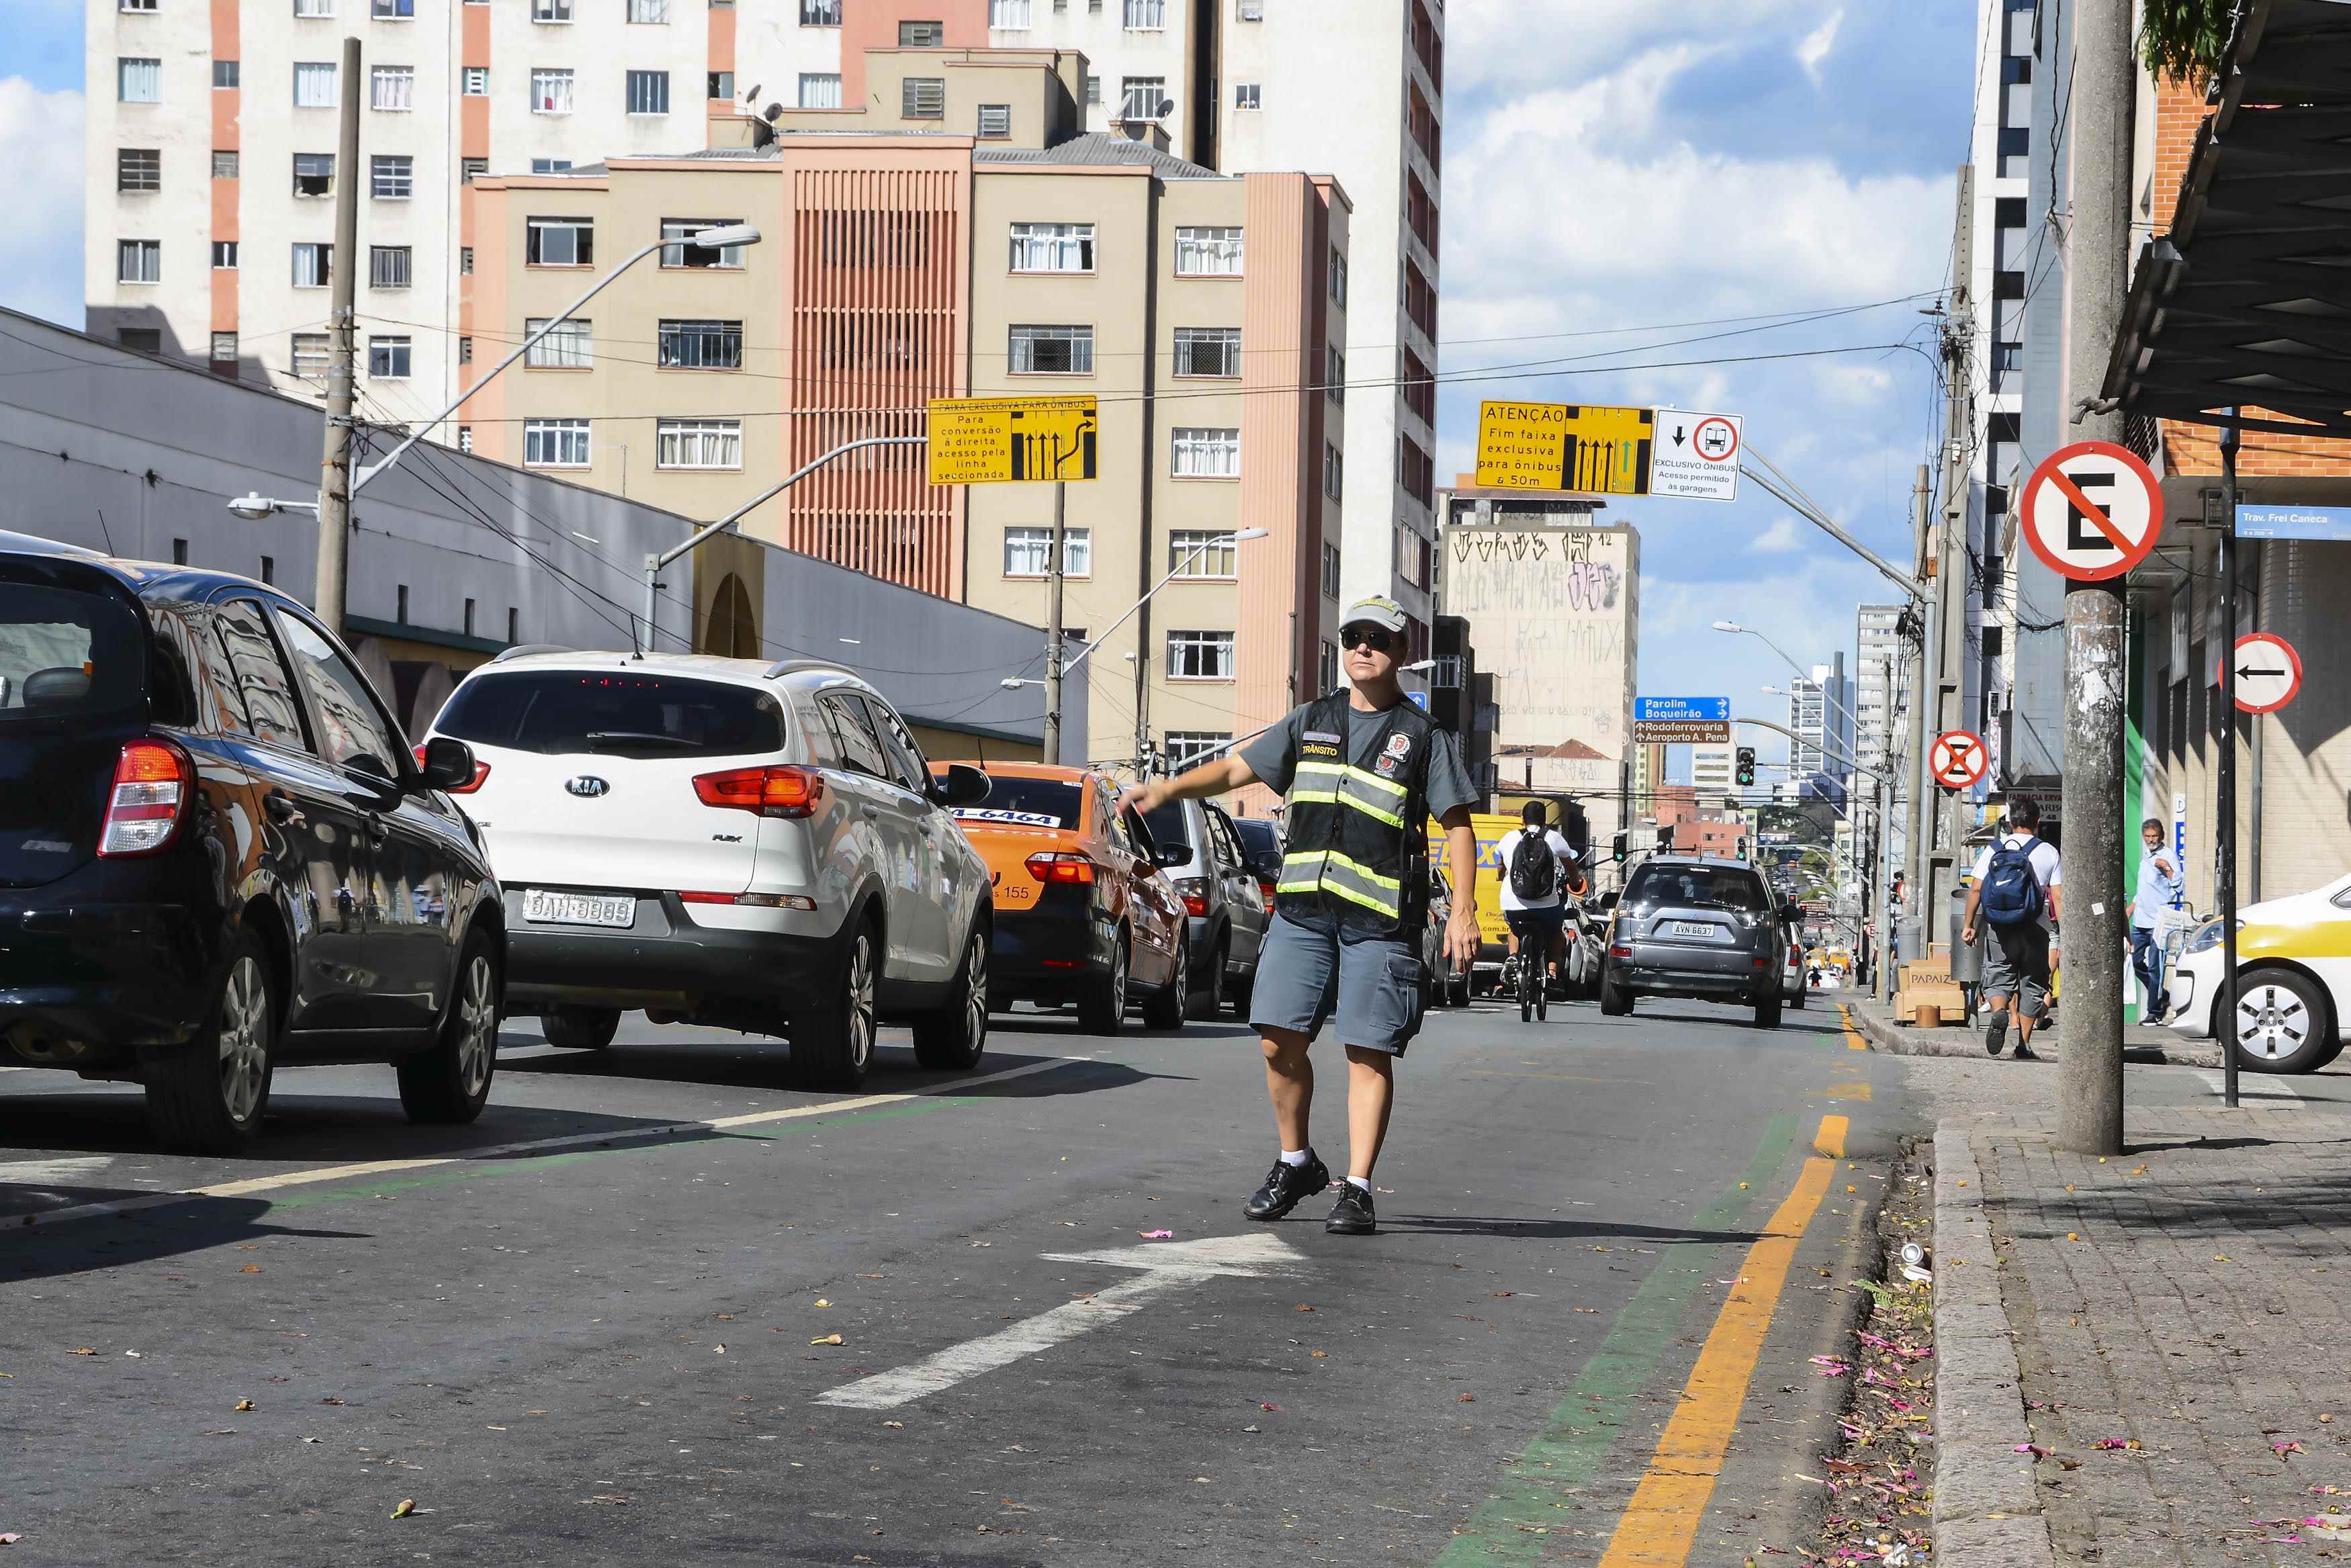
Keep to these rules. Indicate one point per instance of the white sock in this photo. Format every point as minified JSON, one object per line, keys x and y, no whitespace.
{"x":1296,"y":1155}
{"x":1362,"y":1181}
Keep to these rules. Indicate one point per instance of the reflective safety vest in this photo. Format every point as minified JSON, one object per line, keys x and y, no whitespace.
{"x":1356,"y":841}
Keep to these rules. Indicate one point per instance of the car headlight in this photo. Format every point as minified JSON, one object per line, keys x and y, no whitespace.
{"x":2207,"y":936}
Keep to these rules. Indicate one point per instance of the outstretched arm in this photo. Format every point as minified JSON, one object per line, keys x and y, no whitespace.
{"x":1218,"y":777}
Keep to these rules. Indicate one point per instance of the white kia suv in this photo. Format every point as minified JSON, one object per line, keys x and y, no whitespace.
{"x":724,"y":841}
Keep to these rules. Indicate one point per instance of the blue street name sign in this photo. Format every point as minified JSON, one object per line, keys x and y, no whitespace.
{"x":2330,"y":524}
{"x":1658,"y":709}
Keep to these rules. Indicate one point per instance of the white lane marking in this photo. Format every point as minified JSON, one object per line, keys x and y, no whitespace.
{"x":61,"y":1172}
{"x":310,"y":1178}
{"x":1166,"y":1268}
{"x":2270,"y":1086}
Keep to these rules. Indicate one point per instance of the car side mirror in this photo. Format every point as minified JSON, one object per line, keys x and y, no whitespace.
{"x":963,"y":785}
{"x":1167,"y":857}
{"x":448,"y":763}
{"x":1266,"y":867}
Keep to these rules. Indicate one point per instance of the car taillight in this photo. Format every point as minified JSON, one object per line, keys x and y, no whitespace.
{"x":1061,"y":866}
{"x":1195,"y":891}
{"x":1620,"y":952}
{"x":766,"y":792}
{"x":152,"y":783}
{"x":1267,"y":888}
{"x":481,"y":772}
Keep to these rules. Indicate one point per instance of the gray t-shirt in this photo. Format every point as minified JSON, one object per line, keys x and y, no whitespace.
{"x":1273,"y":757}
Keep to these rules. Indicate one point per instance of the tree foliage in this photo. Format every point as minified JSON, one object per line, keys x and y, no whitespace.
{"x":2182,"y":39}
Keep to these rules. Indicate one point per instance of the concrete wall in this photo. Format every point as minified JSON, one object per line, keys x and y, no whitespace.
{"x":120,"y":452}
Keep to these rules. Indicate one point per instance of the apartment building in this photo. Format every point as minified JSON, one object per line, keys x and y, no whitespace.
{"x":900,"y":262}
{"x":1713,"y":770}
{"x":1879,"y":657}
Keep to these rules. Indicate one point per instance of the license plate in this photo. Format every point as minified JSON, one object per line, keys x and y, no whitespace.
{"x":541,"y":904}
{"x":1692,"y":929}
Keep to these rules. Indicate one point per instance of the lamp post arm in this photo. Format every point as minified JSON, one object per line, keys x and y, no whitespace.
{"x":1078,"y":658}
{"x":1789,"y":496}
{"x":360,"y":479}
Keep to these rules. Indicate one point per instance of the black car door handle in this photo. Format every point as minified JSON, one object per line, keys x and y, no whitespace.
{"x":378,"y":829}
{"x":282,"y":809}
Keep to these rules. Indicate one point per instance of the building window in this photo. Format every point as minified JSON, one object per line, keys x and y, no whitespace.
{"x":393,"y":10}
{"x":922,"y":98}
{"x":555,"y":443}
{"x":1252,"y":10}
{"x":648,"y":92}
{"x":137,"y":7}
{"x":1052,"y":247}
{"x":702,"y":345}
{"x":550,"y":165}
{"x":561,"y":242}
{"x":145,"y":340}
{"x":1208,"y":253}
{"x":138,"y":169}
{"x":391,"y":176}
{"x":314,"y":173}
{"x":820,"y":90}
{"x":1199,"y":656}
{"x":819,"y":13}
{"x":1186,"y":747}
{"x":179,"y":552}
{"x":570,"y":346}
{"x":137,"y":80}
{"x":1249,"y":95}
{"x":311,"y":353}
{"x":1139,"y":96}
{"x":1334,"y":374}
{"x":1052,"y":351}
{"x":139,"y":261}
{"x":466,"y":433}
{"x":465,"y":349}
{"x":474,"y":82}
{"x":699,"y":443}
{"x":1093,"y":90}
{"x":1327,"y":667}
{"x":1146,"y":16}
{"x":225,"y":74}
{"x":922,"y":35}
{"x":551,"y":10}
{"x":1028,"y":552}
{"x":1203,"y":553}
{"x":722,"y":86}
{"x":392,"y":88}
{"x":1330,"y":570}
{"x":388,"y":358}
{"x":314,"y":266}
{"x":314,"y":8}
{"x":1208,"y":351}
{"x":269,"y":569}
{"x":465,"y":261}
{"x":551,"y":91}
{"x":468,"y":622}
{"x":225,"y":255}
{"x":1338,"y":279}
{"x":388,"y":266}
{"x":649,"y":13}
{"x":677,"y":252}
{"x":1334,"y":471}
{"x":1208,"y":452}
{"x":314,"y":84}
{"x":1009,"y":14}
{"x":224,"y":165}
{"x":995,"y":120}
{"x":469,"y":167}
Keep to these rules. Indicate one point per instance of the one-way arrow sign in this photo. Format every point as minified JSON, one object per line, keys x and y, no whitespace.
{"x":2268,"y":673}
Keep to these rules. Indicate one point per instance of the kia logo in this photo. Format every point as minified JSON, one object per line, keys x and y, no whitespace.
{"x":588,"y":786}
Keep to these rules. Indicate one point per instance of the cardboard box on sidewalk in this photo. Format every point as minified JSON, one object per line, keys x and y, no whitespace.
{"x":1924,"y":993}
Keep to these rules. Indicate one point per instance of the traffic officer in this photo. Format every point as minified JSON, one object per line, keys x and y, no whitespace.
{"x":1364,"y":768}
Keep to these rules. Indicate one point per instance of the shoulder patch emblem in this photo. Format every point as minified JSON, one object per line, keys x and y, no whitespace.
{"x":1386,"y":765}
{"x":1399,"y":745}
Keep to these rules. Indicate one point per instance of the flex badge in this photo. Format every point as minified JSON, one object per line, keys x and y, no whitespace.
{"x":2092,"y":510}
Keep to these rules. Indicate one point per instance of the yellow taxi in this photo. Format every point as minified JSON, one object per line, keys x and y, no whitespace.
{"x":2294,"y":982}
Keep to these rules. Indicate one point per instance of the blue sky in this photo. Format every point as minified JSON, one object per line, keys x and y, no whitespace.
{"x":1611,"y":166}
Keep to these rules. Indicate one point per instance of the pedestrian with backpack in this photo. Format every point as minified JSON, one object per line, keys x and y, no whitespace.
{"x":2016,"y":893}
{"x":1535,"y":860}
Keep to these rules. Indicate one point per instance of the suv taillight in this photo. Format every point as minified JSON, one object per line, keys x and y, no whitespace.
{"x":1265,"y":887}
{"x":766,"y":792}
{"x":1195,"y":891}
{"x":481,"y":772}
{"x":152,"y":783}
{"x":1061,"y":866}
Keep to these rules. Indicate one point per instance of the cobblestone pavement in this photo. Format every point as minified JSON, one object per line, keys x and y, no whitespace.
{"x":2179,"y":1321}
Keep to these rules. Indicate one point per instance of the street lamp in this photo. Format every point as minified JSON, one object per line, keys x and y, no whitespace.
{"x":253,"y":506}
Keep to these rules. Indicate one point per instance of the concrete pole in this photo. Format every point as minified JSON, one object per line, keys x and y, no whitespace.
{"x":1922,"y":693}
{"x":2224,"y":1010}
{"x":342,"y":370}
{"x":1053,"y":631}
{"x":2099,"y":147}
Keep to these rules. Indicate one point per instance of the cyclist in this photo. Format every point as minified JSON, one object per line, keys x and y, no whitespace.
{"x":1537,"y":864}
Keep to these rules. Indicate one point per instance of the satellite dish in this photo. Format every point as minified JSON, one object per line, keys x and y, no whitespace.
{"x":1167,"y":108}
{"x":752,"y":95}
{"x":770,"y":112}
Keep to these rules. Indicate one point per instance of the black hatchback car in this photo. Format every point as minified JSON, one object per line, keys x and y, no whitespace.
{"x":217,"y":853}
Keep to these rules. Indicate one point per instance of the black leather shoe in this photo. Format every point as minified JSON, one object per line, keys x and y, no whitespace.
{"x":1286,"y":1187}
{"x":1352,"y":1215}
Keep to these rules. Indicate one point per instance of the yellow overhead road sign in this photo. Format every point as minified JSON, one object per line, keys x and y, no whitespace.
{"x":1012,"y":441}
{"x":1564,"y":446}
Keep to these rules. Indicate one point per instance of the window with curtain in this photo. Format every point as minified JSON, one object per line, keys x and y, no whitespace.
{"x":1200,"y":656}
{"x":1011,"y":15}
{"x":314,"y":84}
{"x":702,"y":345}
{"x":1208,"y":253}
{"x":570,"y":346}
{"x":551,"y":91}
{"x":1203,"y":553}
{"x":820,"y":90}
{"x":1208,"y":452}
{"x":1028,"y":552}
{"x":651,"y":13}
{"x":314,"y":266}
{"x":1145,"y":16}
{"x":819,"y":13}
{"x":139,"y":261}
{"x":699,"y":443}
{"x":392,"y":88}
{"x":1052,"y":247}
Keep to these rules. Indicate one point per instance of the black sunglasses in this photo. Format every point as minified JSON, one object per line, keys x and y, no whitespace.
{"x":1379,"y":639}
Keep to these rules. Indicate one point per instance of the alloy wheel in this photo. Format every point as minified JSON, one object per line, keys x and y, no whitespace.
{"x":477,"y":1026}
{"x":244,"y":1039}
{"x":2272,"y":1023}
{"x":1118,"y":981}
{"x":861,"y":1002}
{"x":975,"y":999}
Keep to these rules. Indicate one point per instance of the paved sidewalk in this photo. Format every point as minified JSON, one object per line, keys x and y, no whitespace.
{"x":2141,"y":1041}
{"x":2166,"y":1325}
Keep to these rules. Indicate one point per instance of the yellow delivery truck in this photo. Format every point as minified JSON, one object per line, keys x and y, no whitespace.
{"x":1494,"y":932}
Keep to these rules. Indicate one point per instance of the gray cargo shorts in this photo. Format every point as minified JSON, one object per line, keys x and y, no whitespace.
{"x":1373,"y":983}
{"x":2016,"y":963}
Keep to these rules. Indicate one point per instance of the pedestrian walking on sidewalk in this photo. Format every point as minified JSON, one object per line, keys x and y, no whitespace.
{"x":1363,"y":770}
{"x":2159,"y":891}
{"x":2016,"y":893}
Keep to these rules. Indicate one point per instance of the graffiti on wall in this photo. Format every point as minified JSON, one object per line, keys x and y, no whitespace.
{"x":1553,"y":615}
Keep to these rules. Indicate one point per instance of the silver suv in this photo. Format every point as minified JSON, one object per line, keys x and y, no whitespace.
{"x":1699,"y":927}
{"x":1225,"y":906}
{"x":725,"y":841}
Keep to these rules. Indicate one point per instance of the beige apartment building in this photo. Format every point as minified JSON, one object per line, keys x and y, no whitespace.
{"x":902,"y":261}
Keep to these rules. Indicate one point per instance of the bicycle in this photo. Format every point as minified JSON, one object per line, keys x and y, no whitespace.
{"x":1533,"y":982}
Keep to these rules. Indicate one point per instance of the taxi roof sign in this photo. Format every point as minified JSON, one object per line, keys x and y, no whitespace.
{"x":1013,"y":440}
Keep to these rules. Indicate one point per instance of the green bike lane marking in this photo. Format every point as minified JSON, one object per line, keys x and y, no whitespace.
{"x":1561,"y":1456}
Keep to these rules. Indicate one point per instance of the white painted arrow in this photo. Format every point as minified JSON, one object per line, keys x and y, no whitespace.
{"x":1165,"y":1268}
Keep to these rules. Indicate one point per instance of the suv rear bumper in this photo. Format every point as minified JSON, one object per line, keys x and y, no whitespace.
{"x":666,"y":962}
{"x":1659,"y":969}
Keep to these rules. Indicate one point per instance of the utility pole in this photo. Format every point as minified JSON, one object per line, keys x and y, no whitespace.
{"x":1053,"y":631}
{"x":2224,"y":878}
{"x":342,"y":373}
{"x":1951,"y":584}
{"x":2099,"y":147}
{"x":1924,"y":692}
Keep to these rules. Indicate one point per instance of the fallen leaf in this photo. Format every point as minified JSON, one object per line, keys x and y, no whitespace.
{"x":407,"y":1506}
{"x":615,"y":1499}
{"x":1304,"y":1307}
{"x":1504,"y":1295}
{"x":330,"y":1401}
{"x":1466,"y":1398}
{"x":1319,"y":1354}
{"x":82,"y":1350}
{"x":244,"y":1404}
{"x":1250,"y":1427}
{"x":1156,"y":1235}
{"x":250,"y":1269}
{"x":822,"y":1302}
{"x":894,"y":1425}
{"x":1262,"y":1405}
{"x":827,"y":1339}
{"x":1588,"y":1311}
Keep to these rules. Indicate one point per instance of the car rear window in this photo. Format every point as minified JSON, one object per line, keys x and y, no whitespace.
{"x":613,"y":714}
{"x":1170,"y":829}
{"x":1697,"y":886}
{"x":67,"y":653}
{"x":1026,"y":803}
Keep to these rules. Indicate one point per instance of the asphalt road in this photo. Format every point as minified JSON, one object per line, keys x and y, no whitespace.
{"x":580,"y":1331}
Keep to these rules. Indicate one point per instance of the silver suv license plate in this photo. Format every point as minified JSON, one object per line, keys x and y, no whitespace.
{"x":541,"y":904}
{"x":1681,"y":928}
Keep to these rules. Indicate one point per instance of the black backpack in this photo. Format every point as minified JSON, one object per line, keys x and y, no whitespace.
{"x":2012,"y":893}
{"x":1535,"y":869}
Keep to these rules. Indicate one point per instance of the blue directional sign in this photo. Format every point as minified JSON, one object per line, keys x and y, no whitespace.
{"x":2329,"y":524}
{"x":1661,"y":710}
{"x":1419,"y":700}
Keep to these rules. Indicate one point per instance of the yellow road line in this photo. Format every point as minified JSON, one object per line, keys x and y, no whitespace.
{"x":1853,"y":1040}
{"x":1660,"y":1525}
{"x":1853,"y":1091}
{"x":1829,"y":1140}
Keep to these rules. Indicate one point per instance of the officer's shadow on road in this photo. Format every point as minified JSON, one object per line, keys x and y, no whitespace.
{"x":1552,"y":1230}
{"x":761,"y":1063}
{"x":150,"y":1236}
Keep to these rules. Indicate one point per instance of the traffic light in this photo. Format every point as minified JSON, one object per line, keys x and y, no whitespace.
{"x":1743,"y":847}
{"x":1745,"y":766}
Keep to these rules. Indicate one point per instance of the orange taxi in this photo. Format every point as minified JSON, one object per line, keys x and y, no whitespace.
{"x":1082,"y":911}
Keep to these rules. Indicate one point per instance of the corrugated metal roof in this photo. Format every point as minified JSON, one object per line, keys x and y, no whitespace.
{"x":1099,"y":149}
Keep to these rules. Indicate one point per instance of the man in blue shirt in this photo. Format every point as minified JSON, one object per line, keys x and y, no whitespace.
{"x":2159,"y":888}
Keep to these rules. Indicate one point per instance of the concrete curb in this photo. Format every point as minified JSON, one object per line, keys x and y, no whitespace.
{"x":1904,"y":1040}
{"x":1987,"y":1505}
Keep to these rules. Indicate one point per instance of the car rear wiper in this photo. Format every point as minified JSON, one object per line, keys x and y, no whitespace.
{"x":618,"y":740}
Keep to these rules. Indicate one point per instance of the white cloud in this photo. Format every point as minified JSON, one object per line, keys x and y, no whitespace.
{"x":1855,"y":386}
{"x":40,"y":245}
{"x":1778,"y":539}
{"x":1516,"y":44}
{"x":1816,"y":45}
